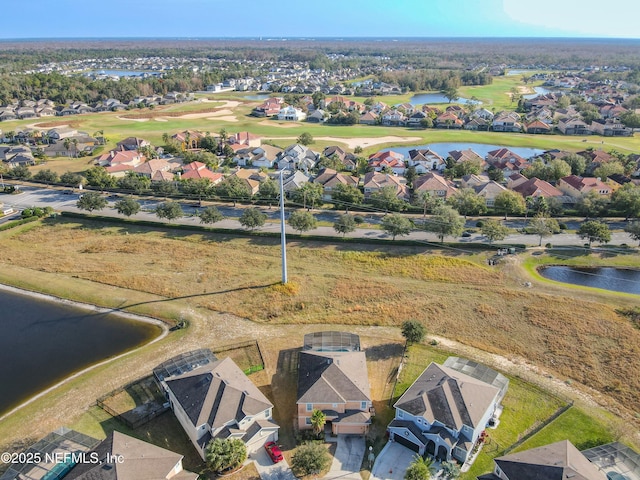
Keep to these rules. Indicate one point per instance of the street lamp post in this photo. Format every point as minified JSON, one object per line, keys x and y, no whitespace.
{"x":282,"y":230}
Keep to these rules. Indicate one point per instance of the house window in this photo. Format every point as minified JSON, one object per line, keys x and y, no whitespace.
{"x":309,"y":407}
{"x":267,"y":412}
{"x":334,"y":405}
{"x":363,"y":405}
{"x":400,"y":414}
{"x":307,"y":421}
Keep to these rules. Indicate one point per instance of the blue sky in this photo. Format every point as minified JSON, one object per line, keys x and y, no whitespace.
{"x":319,"y":18}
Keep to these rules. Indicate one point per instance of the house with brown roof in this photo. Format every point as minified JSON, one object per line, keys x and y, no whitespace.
{"x":557,"y":461}
{"x":189,"y":139}
{"x":576,"y":186}
{"x":369,"y":118}
{"x":122,"y":457}
{"x":148,"y":169}
{"x":448,"y":120}
{"x":218,"y":400}
{"x":374,"y":181}
{"x":329,"y":178}
{"x":333,"y":378}
{"x":573,"y":126}
{"x":443,"y":413}
{"x":537,"y":126}
{"x":534,"y":187}
{"x":435,"y":184}
{"x":489,"y":191}
{"x":132,"y":143}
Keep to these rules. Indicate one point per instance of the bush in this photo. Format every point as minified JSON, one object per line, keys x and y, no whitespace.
{"x":358,"y":219}
{"x":310,"y":459}
{"x":548,"y":245}
{"x":563,"y":226}
{"x":479,"y":224}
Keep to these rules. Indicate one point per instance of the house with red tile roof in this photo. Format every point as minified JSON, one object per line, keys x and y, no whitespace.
{"x":392,"y":160}
{"x":198,"y":170}
{"x":448,"y":120}
{"x":245,"y":138}
{"x":576,"y":186}
{"x":534,"y":187}
{"x":537,"y":126}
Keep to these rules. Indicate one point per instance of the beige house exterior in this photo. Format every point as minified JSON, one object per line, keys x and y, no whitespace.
{"x":334,"y":379}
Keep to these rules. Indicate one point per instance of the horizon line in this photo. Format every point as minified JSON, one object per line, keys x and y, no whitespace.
{"x":319,"y":37}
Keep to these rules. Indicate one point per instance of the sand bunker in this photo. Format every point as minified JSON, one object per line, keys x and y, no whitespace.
{"x":369,"y":142}
{"x":271,"y":123}
{"x":228,"y":118}
{"x":133,"y":119}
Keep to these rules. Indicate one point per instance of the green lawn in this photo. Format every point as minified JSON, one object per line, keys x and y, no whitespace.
{"x":574,"y":425}
{"x":525,"y":407}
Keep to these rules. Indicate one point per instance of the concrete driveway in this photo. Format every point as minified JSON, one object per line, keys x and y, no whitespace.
{"x":348,"y":458}
{"x":392,"y":462}
{"x":269,"y":470}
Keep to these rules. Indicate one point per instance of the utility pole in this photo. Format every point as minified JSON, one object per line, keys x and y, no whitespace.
{"x":282,"y":230}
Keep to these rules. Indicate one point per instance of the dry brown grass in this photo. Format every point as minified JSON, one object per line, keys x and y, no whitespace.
{"x":565,"y":331}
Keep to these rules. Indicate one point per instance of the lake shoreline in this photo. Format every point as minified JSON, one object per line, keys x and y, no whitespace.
{"x":91,"y":308}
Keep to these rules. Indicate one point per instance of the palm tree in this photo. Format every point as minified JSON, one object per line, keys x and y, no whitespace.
{"x":67,"y":145}
{"x":75,"y":147}
{"x":318,"y":419}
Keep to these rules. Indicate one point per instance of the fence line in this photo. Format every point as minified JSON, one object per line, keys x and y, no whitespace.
{"x":535,"y":430}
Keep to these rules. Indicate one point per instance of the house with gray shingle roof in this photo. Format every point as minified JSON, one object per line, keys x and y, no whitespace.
{"x":443,"y":413}
{"x":122,"y":457}
{"x":218,"y":400}
{"x":333,"y":378}
{"x":557,"y":461}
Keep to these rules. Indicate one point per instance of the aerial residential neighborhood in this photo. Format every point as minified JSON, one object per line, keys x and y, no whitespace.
{"x":320,"y":240}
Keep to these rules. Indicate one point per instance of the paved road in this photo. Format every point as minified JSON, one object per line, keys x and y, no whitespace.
{"x":34,"y":196}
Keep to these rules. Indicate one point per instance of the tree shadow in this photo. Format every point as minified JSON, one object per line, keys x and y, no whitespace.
{"x":384,"y":351}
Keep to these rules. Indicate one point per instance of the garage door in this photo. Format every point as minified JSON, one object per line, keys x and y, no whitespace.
{"x":407,"y":443}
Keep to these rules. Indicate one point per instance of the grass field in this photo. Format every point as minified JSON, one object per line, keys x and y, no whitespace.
{"x":175,"y":274}
{"x":525,"y":406}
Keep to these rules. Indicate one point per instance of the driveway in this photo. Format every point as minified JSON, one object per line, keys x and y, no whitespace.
{"x":269,"y":470}
{"x":392,"y":462}
{"x":348,"y":458}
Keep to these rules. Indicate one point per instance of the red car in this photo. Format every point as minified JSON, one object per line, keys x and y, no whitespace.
{"x":274,"y":451}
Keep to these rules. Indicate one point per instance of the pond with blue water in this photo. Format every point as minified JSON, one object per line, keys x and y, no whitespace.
{"x":608,"y":278}
{"x":481,"y":149}
{"x":44,"y":341}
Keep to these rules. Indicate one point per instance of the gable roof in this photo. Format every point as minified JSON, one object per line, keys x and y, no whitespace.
{"x":332,"y":377}
{"x":449,"y":397}
{"x":141,"y":461}
{"x":217,"y":393}
{"x":558,"y":461}
{"x":534,"y":187}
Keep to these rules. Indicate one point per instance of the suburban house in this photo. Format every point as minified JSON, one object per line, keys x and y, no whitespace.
{"x":576,"y":186}
{"x":506,"y":122}
{"x":436,"y":185}
{"x":132,"y":143}
{"x":297,"y":157}
{"x":198,"y":170}
{"x":387,"y":160}
{"x":291,"y":114}
{"x":369,"y":118}
{"x":537,"y":126}
{"x":189,"y":139}
{"x":610,"y":127}
{"x":573,"y":126}
{"x":374,"y":181}
{"x":558,"y":461}
{"x":245,"y":138}
{"x":217,"y":400}
{"x":136,"y":460}
{"x":466,"y":156}
{"x":448,"y":120}
{"x":332,"y":377}
{"x":150,"y":168}
{"x":256,"y":157}
{"x":17,"y":155}
{"x":269,"y":108}
{"x":329,"y":178}
{"x":349,"y":160}
{"x":118,"y":162}
{"x":444,"y":412}
{"x":533,"y":187}
{"x":425,"y":160}
{"x":489,"y":191}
